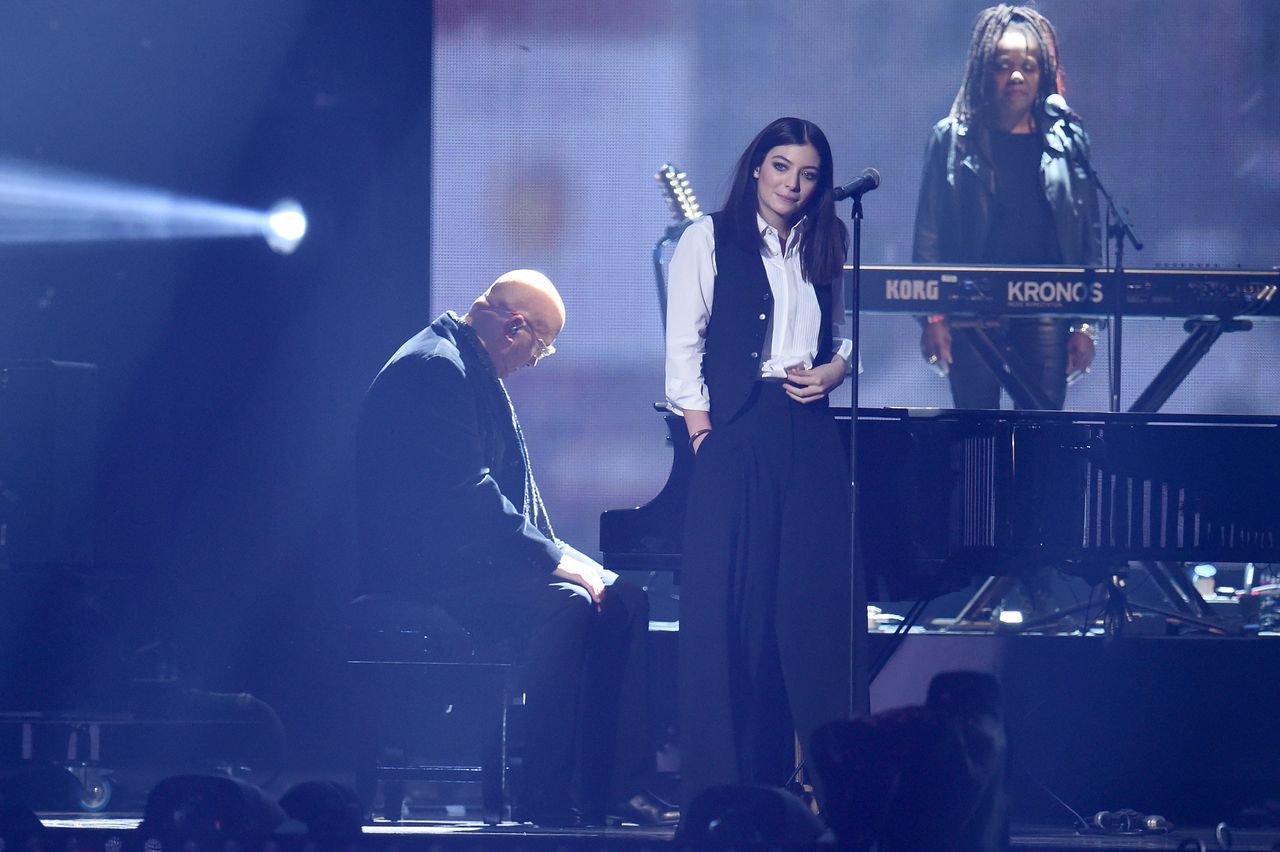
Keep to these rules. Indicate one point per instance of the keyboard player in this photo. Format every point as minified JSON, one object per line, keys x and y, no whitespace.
{"x":1000,"y":187}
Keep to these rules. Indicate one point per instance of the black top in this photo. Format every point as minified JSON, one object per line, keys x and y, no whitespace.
{"x":1022,"y":225}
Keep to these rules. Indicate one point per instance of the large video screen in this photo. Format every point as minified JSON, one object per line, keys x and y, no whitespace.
{"x":551,"y":118}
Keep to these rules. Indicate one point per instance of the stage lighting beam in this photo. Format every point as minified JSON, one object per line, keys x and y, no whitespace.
{"x":39,"y":204}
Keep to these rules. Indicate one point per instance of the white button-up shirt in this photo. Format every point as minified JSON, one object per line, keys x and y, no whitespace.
{"x":792,"y":337}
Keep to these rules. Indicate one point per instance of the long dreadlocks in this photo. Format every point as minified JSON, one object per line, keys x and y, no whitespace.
{"x":973,"y":103}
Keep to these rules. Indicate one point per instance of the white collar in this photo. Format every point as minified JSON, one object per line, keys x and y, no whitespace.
{"x":765,"y":228}
{"x":773,"y":240}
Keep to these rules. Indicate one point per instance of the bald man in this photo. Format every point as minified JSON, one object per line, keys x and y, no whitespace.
{"x":450,"y":514}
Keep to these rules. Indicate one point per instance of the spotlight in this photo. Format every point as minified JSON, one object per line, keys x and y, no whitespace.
{"x":284,"y":226}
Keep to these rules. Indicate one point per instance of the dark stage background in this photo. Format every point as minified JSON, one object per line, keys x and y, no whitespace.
{"x":229,"y":376}
{"x":435,"y":146}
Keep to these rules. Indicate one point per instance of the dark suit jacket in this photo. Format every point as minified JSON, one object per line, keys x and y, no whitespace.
{"x":440,"y":474}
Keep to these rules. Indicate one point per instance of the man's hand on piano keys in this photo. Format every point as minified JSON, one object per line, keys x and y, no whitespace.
{"x":810,"y":385}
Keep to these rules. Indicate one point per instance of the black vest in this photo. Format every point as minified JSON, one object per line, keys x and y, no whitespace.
{"x":741,"y":308}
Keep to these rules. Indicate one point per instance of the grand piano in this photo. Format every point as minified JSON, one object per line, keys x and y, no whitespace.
{"x":949,"y":495}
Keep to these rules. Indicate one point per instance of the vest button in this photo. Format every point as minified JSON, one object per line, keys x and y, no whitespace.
{"x":763,"y":316}
{"x":766,"y":296}
{"x":755,"y":354}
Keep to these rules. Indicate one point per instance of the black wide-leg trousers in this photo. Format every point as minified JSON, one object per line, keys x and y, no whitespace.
{"x":766,"y":634}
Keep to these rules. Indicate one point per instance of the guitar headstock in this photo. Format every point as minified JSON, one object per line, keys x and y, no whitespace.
{"x":679,"y":195}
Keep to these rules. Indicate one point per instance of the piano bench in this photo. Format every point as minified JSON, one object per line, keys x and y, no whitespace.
{"x":429,"y":702}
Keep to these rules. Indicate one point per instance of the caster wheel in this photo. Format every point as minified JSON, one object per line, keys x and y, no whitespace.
{"x":95,"y":794}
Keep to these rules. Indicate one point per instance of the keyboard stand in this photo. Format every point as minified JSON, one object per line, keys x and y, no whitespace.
{"x":989,"y":343}
{"x":1202,"y":334}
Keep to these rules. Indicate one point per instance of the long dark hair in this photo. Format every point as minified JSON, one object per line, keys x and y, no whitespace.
{"x":973,"y":103}
{"x":826,"y":238}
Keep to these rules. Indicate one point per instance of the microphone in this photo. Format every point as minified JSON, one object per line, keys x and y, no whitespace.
{"x":856,"y":188}
{"x":1056,"y":107}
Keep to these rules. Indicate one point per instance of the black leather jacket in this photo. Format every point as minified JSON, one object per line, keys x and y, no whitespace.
{"x":954,"y":213}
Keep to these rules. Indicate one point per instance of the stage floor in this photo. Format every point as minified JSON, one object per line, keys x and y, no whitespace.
{"x":1179,"y":726}
{"x":94,"y":833}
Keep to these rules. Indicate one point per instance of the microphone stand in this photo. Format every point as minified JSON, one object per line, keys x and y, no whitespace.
{"x":859,"y":700}
{"x":1118,"y":230}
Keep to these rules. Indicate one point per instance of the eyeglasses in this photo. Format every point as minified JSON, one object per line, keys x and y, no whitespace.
{"x":545,"y":350}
